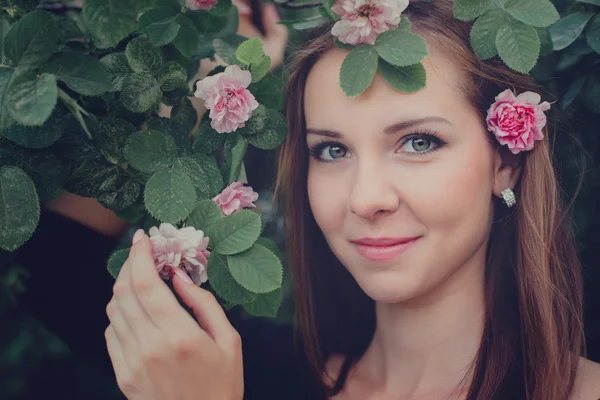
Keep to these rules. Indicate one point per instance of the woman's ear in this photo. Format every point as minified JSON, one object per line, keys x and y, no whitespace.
{"x":507,"y":171}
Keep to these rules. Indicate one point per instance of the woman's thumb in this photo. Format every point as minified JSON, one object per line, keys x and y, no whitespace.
{"x":204,"y":305}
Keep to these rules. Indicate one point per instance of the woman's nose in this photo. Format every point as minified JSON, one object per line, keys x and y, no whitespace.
{"x":373,"y":191}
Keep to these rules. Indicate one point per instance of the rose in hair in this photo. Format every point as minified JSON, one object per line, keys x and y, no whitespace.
{"x":235,"y":197}
{"x":361,"y":21}
{"x":517,"y":121}
{"x":200,"y":4}
{"x":227,"y":98}
{"x":180,"y":251}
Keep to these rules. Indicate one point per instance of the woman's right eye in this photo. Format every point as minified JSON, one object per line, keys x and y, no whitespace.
{"x":328,"y":152}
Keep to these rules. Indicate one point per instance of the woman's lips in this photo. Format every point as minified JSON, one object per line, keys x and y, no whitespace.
{"x":383,"y":249}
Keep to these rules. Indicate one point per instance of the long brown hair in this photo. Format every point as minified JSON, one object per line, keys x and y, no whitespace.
{"x":533,"y":334}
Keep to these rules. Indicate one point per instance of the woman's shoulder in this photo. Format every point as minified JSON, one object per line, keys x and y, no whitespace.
{"x":587,"y":383}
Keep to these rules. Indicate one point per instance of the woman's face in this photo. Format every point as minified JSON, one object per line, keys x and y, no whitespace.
{"x":399,"y":166}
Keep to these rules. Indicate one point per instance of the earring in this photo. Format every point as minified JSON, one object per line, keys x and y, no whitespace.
{"x":509,"y":197}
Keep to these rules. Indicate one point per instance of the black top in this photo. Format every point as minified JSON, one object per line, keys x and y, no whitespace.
{"x":69,"y":288}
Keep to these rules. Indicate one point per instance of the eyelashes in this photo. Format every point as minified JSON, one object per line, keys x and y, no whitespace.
{"x":429,"y":135}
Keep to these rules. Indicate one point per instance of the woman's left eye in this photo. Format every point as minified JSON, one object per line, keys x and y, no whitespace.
{"x":421,"y":143}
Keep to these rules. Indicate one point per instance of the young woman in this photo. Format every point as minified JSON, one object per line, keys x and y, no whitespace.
{"x":413,"y":278}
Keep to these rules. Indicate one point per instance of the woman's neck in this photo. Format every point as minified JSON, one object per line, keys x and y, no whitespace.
{"x":426,"y":347}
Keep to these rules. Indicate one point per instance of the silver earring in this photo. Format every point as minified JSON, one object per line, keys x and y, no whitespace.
{"x":509,"y":197}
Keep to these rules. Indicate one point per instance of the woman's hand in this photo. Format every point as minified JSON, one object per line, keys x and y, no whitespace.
{"x":157,"y":350}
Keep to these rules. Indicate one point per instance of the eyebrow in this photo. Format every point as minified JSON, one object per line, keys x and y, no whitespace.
{"x":400,"y":126}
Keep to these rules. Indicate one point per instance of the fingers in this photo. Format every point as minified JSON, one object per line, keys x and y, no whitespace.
{"x":115,"y":352}
{"x":207,"y":310}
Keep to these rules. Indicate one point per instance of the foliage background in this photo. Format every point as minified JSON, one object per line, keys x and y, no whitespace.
{"x":34,"y":362}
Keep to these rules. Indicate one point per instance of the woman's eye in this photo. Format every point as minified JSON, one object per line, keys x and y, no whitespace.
{"x":332,"y":152}
{"x":418,"y":145}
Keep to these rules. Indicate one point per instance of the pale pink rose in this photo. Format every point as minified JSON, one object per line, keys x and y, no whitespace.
{"x":235,"y":197}
{"x":200,"y":4}
{"x":180,"y":251}
{"x":517,"y":121}
{"x":227,"y":98}
{"x":361,"y":21}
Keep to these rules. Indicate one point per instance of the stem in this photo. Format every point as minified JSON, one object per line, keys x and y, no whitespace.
{"x":75,"y":109}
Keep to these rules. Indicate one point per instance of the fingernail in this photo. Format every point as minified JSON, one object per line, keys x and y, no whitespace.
{"x":184,"y":277}
{"x":138,"y":235}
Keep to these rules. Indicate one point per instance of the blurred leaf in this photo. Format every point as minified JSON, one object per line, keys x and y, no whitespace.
{"x":35,"y":137}
{"x":82,"y":73}
{"x":4,"y":28}
{"x":110,"y":20}
{"x":568,"y":29}
{"x":592,"y":33}
{"x":19,"y":208}
{"x":574,"y":91}
{"x":590,"y":96}
{"x":31,"y":41}
{"x":30,"y":98}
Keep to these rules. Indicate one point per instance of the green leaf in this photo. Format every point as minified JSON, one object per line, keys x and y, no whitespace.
{"x":250,"y":51}
{"x":118,"y":68}
{"x":401,"y":48}
{"x":30,"y":98}
{"x":6,"y":75}
{"x":568,"y":29}
{"x":49,"y":173}
{"x":141,"y":93}
{"x":185,"y":114}
{"x":188,"y":41}
{"x":546,"y":46}
{"x":35,"y":137}
{"x":266,"y":129}
{"x":206,"y":213}
{"x":404,"y":79}
{"x":265,"y":305}
{"x":4,"y":29}
{"x":172,"y":76}
{"x":358,"y":70}
{"x":573,"y":92}
{"x":223,"y":283}
{"x":540,"y":13}
{"x":116,"y":261}
{"x":271,"y":245}
{"x":160,"y":24}
{"x":178,"y":132}
{"x":170,"y":195}
{"x":268,"y":92}
{"x":518,"y":45}
{"x":226,"y":48}
{"x":124,"y":194}
{"x":207,"y":140}
{"x":32,"y":40}
{"x":110,"y":20}
{"x":234,"y":233}
{"x":143,"y":57}
{"x":256,"y":269}
{"x":204,"y":173}
{"x":484,"y":32}
{"x":19,"y":208}
{"x":468,"y":10}
{"x":260,"y":69}
{"x":82,"y":73}
{"x":112,"y":134}
{"x":235,"y":150}
{"x":592,"y":33}
{"x":327,"y":4}
{"x":594,"y":2}
{"x":590,"y":96}
{"x":149,"y":151}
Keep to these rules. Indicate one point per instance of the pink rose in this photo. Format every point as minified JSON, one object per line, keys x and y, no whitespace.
{"x":517,"y":121}
{"x":363,"y":20}
{"x":200,"y":4}
{"x":235,"y":197}
{"x":227,"y":98}
{"x":178,"y":251}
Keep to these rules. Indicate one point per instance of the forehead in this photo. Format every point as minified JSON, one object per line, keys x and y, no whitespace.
{"x":325,"y":102}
